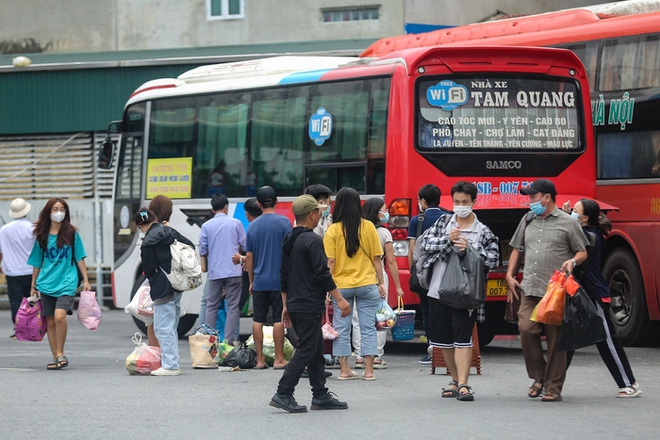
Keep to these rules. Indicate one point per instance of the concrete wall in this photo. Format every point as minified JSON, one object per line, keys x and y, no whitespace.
{"x":33,"y":26}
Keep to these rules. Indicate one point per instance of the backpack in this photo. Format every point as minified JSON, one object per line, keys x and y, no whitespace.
{"x":421,"y":256}
{"x":186,"y":273}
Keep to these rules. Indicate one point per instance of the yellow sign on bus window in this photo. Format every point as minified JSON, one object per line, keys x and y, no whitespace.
{"x":169,"y":177}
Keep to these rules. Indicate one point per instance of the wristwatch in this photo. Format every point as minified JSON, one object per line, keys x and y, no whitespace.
{"x":574,"y":263}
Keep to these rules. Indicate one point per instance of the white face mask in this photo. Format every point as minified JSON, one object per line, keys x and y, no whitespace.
{"x":57,"y":217}
{"x":462,"y":211}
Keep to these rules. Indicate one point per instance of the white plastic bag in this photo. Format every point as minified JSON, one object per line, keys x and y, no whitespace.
{"x":144,"y":359}
{"x":89,"y":312}
{"x":134,"y":306}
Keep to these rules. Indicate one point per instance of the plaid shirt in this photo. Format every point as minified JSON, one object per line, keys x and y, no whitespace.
{"x":438,"y":245}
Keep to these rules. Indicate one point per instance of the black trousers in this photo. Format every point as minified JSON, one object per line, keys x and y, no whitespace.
{"x":17,"y":289}
{"x":610,"y":350}
{"x":309,"y":353}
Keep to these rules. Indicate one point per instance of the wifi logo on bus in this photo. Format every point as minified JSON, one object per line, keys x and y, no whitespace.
{"x":320,"y":126}
{"x":447,"y":95}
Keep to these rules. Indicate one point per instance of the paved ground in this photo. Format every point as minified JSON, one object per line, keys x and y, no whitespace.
{"x":95,"y":398}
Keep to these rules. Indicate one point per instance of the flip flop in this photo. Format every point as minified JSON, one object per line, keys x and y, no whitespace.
{"x":363,"y":377}
{"x":280,"y":368}
{"x":353,"y":376}
{"x":263,"y":367}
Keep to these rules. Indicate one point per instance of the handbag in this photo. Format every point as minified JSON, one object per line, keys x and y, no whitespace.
{"x":550,"y":310}
{"x":463,"y":285}
{"x":89,"y":312}
{"x":327,"y":330}
{"x":30,"y":325}
{"x":242,"y":357}
{"x":413,"y":281}
{"x":511,"y":308}
{"x":581,"y":325}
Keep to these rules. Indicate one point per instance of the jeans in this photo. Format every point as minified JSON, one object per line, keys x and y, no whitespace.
{"x":366,"y":301}
{"x":166,"y":321}
{"x":201,"y":319}
{"x":17,"y":288}
{"x":232,"y":287}
{"x":309,"y":353}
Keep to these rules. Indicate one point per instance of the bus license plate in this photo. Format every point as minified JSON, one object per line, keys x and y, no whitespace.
{"x":496,"y":287}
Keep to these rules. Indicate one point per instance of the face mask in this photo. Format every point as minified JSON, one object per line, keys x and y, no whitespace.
{"x":419,"y":205}
{"x":462,"y":211}
{"x":575,"y":215}
{"x":326,"y":212}
{"x":57,"y":217}
{"x":386,"y":218}
{"x":537,"y":208}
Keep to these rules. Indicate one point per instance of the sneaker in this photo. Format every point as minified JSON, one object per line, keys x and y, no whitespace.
{"x":425,"y":360}
{"x":329,"y":401}
{"x":164,"y":372}
{"x":287,"y":403}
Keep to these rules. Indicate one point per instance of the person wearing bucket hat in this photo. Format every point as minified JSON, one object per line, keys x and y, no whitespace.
{"x":16,"y":241}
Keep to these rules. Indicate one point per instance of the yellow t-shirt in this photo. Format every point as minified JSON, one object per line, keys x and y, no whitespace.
{"x":359,"y":270}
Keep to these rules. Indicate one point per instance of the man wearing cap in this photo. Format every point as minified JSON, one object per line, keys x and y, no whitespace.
{"x":16,"y":242}
{"x":305,"y":279}
{"x":263,"y":260}
{"x":552,"y":240}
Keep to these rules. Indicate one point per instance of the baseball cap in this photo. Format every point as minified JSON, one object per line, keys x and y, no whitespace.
{"x":540,"y":185}
{"x":305,"y":204}
{"x":266,"y":194}
{"x":19,"y":208}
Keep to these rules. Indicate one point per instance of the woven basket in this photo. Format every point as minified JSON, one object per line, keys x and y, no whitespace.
{"x":404,"y":329}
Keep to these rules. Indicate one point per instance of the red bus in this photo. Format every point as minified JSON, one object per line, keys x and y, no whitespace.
{"x":620,"y":48}
{"x":498,"y":116}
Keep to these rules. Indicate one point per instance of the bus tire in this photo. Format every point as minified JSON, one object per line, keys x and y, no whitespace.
{"x":485,"y":333}
{"x":186,"y":322}
{"x":628,"y":309}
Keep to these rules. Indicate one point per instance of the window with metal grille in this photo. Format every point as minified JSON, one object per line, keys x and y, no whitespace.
{"x":350,"y":14}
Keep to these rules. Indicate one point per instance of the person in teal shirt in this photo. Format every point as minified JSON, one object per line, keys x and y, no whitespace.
{"x":57,"y":250}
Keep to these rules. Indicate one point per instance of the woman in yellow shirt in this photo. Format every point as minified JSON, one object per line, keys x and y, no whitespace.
{"x":353,"y":249}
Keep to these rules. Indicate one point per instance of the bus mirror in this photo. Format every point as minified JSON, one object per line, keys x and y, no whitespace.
{"x":106,"y":154}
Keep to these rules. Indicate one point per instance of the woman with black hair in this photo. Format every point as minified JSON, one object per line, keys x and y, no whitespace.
{"x":157,"y":263}
{"x":376,"y":212}
{"x":57,"y":250}
{"x":354,"y":258}
{"x":588,"y":213}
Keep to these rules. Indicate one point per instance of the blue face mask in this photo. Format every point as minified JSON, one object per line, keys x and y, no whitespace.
{"x":575,"y":215}
{"x":386,"y":218}
{"x":326,"y":212}
{"x":537,"y":208}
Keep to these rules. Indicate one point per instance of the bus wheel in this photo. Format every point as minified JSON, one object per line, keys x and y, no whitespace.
{"x":486,"y":333}
{"x":186,"y":322}
{"x":628,"y":308}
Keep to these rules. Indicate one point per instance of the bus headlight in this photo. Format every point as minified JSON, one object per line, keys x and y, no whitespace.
{"x":401,"y":248}
{"x":399,"y":221}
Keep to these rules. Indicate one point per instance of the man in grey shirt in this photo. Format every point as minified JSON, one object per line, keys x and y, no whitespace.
{"x":552,"y":240}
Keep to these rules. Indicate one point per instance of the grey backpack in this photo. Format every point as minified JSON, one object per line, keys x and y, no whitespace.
{"x":421,"y":256}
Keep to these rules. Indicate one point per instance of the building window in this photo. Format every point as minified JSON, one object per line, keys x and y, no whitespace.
{"x":225,"y":9}
{"x":350,"y":14}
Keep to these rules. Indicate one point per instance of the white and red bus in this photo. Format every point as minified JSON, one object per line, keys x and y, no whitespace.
{"x":500,"y":117}
{"x":619,"y":44}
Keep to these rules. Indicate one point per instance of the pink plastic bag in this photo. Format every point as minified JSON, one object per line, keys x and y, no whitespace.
{"x":89,"y":312}
{"x":30,"y":325}
{"x":145,"y":303}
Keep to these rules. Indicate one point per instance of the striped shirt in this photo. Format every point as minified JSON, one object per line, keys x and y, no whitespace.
{"x":548,"y":244}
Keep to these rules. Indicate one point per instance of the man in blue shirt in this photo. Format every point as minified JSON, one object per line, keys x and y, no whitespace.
{"x":428,"y":199}
{"x":220,"y":238}
{"x":263,"y":260}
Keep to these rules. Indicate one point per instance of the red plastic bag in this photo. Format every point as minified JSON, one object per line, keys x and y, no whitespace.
{"x":144,"y":358}
{"x":550,"y":310}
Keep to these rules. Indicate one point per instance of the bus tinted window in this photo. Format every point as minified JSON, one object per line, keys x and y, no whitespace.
{"x":172,"y":127}
{"x":629,"y":155}
{"x":129,"y":168}
{"x":588,"y":54}
{"x":630,"y":63}
{"x":497,"y":114}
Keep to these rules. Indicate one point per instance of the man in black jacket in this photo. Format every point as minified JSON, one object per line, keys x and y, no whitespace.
{"x":305,"y":279}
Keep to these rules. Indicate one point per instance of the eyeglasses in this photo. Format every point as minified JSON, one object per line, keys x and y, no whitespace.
{"x":58,"y":210}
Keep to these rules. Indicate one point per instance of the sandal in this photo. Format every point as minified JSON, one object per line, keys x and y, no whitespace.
{"x":451,"y":392}
{"x":359,"y":362}
{"x":52,"y":366}
{"x":352,"y":376}
{"x":551,"y":398}
{"x":630,"y":391}
{"x":467,"y":396}
{"x":535,"y":390}
{"x":379,"y":364}
{"x":62,"y":362}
